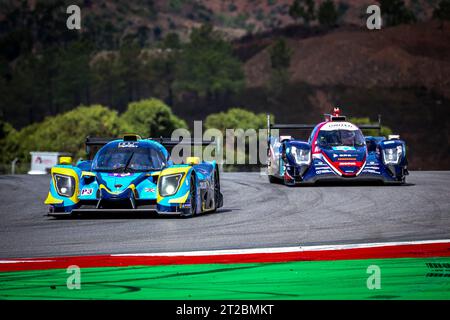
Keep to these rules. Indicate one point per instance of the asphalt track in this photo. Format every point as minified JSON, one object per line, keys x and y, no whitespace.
{"x":255,"y":214}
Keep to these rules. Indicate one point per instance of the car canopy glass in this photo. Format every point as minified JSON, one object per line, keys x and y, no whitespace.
{"x":340,"y":137}
{"x":128,"y":158}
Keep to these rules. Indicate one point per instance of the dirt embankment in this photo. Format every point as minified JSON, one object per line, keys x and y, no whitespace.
{"x":403,"y":57}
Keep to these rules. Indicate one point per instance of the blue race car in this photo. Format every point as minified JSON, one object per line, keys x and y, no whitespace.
{"x":133,"y":175}
{"x":335,"y":151}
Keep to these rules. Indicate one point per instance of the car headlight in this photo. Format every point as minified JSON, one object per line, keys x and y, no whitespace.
{"x":392,"y":155}
{"x":169,"y":184}
{"x":301,"y":156}
{"x":65,"y":185}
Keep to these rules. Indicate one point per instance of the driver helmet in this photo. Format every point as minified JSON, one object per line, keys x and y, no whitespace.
{"x":117,"y":160}
{"x":347,"y":137}
{"x":140,"y":160}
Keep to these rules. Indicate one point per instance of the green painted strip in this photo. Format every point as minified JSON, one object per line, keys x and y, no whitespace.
{"x":403,"y":278}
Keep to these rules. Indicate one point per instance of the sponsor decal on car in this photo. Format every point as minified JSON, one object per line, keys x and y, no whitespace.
{"x":151,"y":190}
{"x":371,"y":171}
{"x":128,"y":144}
{"x":347,"y":164}
{"x":204,"y":184}
{"x":344,"y":148}
{"x":323,"y":171}
{"x":119,"y":174}
{"x":86,"y":191}
{"x":185,"y":205}
{"x":338,"y":125}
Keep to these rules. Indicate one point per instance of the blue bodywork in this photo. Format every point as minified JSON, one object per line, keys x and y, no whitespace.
{"x":116,"y":181}
{"x":367,"y":161}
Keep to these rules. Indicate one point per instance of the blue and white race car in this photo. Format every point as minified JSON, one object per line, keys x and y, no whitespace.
{"x":133,"y":175}
{"x":335,"y":151}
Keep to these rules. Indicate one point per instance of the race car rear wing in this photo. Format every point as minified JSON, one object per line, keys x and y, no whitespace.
{"x":328,"y":117}
{"x":271,"y":126}
{"x":93,"y":144}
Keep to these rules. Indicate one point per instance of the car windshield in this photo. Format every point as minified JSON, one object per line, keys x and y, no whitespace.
{"x":131,"y":159}
{"x":333,"y":138}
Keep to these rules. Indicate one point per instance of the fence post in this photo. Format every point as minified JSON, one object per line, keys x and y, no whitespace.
{"x":13,"y":165}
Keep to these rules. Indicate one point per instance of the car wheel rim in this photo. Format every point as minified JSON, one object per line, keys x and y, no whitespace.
{"x":193,"y":197}
{"x":216,"y":189}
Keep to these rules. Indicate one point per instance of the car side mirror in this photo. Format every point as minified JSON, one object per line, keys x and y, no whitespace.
{"x":65,"y":160}
{"x":192,"y":160}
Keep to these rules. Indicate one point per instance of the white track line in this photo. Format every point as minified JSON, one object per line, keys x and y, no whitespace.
{"x":249,"y":251}
{"x":24,"y":261}
{"x":283,"y":249}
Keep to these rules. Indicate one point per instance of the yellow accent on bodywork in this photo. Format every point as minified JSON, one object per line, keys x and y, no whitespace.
{"x":169,"y":172}
{"x":192,"y":160}
{"x":87,"y":174}
{"x":67,"y":172}
{"x":65,"y":160}
{"x":52,"y":200}
{"x":131,"y":186}
{"x":180,"y":199}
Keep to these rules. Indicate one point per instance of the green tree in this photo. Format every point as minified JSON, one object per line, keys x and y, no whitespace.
{"x":5,"y":129}
{"x":65,"y":132}
{"x":29,"y":87}
{"x":280,"y":60}
{"x":395,"y":12}
{"x":150,"y":118}
{"x":107,"y":80}
{"x":280,"y":54}
{"x":8,"y":146}
{"x":163,"y":67}
{"x":442,"y":12}
{"x":303,"y":9}
{"x":74,"y":80}
{"x":130,"y":70}
{"x":206,"y":65}
{"x":171,"y":41}
{"x":236,"y":118}
{"x":26,"y":91}
{"x":385,"y":131}
{"x":328,"y":15}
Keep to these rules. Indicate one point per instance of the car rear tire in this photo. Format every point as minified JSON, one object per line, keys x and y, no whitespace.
{"x":218,"y":198}
{"x":273,"y":179}
{"x":193,"y":194}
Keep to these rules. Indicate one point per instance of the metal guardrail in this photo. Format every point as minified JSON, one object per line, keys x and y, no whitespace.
{"x":19,"y":168}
